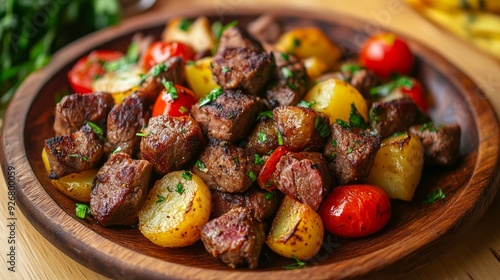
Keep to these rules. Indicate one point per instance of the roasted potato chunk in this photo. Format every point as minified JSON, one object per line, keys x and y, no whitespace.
{"x":175,"y":210}
{"x":199,"y":77}
{"x":398,"y":166}
{"x":297,"y":230}
{"x":198,"y":35}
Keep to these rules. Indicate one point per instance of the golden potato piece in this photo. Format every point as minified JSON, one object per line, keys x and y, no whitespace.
{"x":308,"y":42}
{"x":76,"y":185}
{"x":198,"y":34}
{"x":119,"y":84}
{"x":297,"y":230}
{"x":175,"y":210}
{"x":315,"y":67}
{"x":334,"y":97}
{"x":398,"y":166}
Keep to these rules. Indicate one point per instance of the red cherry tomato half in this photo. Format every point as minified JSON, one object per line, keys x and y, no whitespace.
{"x":355,"y":210}
{"x":174,"y":104}
{"x":385,"y":54}
{"x":88,"y":68}
{"x":160,"y":51}
{"x":266,"y":175}
{"x":416,"y":92}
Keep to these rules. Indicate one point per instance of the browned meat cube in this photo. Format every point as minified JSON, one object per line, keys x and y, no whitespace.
{"x":304,"y":176}
{"x":226,"y":167}
{"x":301,"y":128}
{"x":235,"y":238}
{"x":394,"y":116}
{"x":124,"y":121}
{"x":441,"y":142}
{"x":264,"y":137}
{"x":230,"y":117}
{"x":119,"y":190}
{"x":291,"y":86}
{"x":241,"y":62}
{"x":351,"y":152}
{"x":265,"y":29}
{"x":359,"y":77}
{"x":262,"y":204}
{"x":73,"y":110}
{"x":171,"y":142}
{"x":171,"y":70}
{"x":73,"y":153}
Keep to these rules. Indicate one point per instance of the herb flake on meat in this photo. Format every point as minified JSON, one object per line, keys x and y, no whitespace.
{"x":322,"y":127}
{"x":201,"y":166}
{"x":252,"y":176}
{"x":265,"y":114}
{"x":306,"y":104}
{"x":431,"y":127}
{"x":344,"y":124}
{"x":82,"y":157}
{"x":351,"y":68}
{"x":125,"y":63}
{"x":97,"y":130}
{"x":169,"y":86}
{"x":82,"y":210}
{"x":258,"y":159}
{"x":355,"y":118}
{"x":269,"y":195}
{"x":261,"y":137}
{"x":212,"y":96}
{"x":280,"y":138}
{"x":117,"y":150}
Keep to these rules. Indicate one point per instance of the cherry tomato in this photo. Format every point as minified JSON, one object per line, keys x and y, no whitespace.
{"x":88,"y":68}
{"x":266,"y":175}
{"x":160,"y":51}
{"x":415,"y":91}
{"x":385,"y":54}
{"x":175,"y":102}
{"x":355,"y":210}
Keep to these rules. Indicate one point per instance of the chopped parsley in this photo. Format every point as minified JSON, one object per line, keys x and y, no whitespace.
{"x":225,"y":69}
{"x":292,"y":86}
{"x":297,"y":264}
{"x":159,"y":198}
{"x":117,"y":150}
{"x":280,"y":138}
{"x":434,"y":196}
{"x":183,"y":110}
{"x":396,"y":134}
{"x":126,"y":62}
{"x":185,"y":24}
{"x":97,"y":130}
{"x":334,"y":143}
{"x":306,"y":104}
{"x":82,"y":157}
{"x":285,"y":56}
{"x":269,"y":195}
{"x":387,"y":88}
{"x":179,"y":188}
{"x":287,"y":73}
{"x":236,"y":160}
{"x":265,"y":114}
{"x":321,"y":126}
{"x":201,"y":166}
{"x":355,"y":118}
{"x":258,"y":159}
{"x":218,"y":28}
{"x":252,"y":176}
{"x":333,"y":155}
{"x":187,"y":175}
{"x":169,"y":86}
{"x":431,"y":127}
{"x":142,"y":133}
{"x":343,"y":124}
{"x":351,"y":68}
{"x":261,"y":137}
{"x":349,"y":150}
{"x":210,"y":97}
{"x":158,"y":69}
{"x":82,"y":210}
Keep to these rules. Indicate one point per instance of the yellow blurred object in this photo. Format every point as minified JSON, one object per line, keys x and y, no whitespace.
{"x":315,"y":67}
{"x":480,"y":28}
{"x":451,"y":5}
{"x":197,"y":34}
{"x":199,"y":76}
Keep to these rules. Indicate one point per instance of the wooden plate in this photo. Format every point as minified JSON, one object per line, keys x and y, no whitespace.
{"x":415,"y":235}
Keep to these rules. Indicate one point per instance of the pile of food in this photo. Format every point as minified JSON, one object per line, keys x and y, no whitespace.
{"x":243,"y":138}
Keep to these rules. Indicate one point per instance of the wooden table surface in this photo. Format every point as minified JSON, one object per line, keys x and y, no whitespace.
{"x":476,"y":256}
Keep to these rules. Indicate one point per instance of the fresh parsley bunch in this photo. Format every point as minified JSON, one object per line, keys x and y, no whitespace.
{"x":32,"y":30}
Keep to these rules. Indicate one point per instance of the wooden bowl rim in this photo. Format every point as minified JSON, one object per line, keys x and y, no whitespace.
{"x":94,"y":250}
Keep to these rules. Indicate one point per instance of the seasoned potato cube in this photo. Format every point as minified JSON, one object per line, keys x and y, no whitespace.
{"x":308,"y":42}
{"x":315,"y":67}
{"x":199,"y":77}
{"x":198,"y":35}
{"x":297,"y":230}
{"x":76,"y":185}
{"x":175,"y":210}
{"x":334,"y":97}
{"x":398,"y":166}
{"x":119,"y":84}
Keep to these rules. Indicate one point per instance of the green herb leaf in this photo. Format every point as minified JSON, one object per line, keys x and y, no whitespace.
{"x":287,"y":73}
{"x":261,"y":137}
{"x":334,"y":143}
{"x":117,"y":150}
{"x":187,"y":175}
{"x":185,"y":24}
{"x":355,"y":118}
{"x":265,"y":114}
{"x":179,"y":188}
{"x":343,"y":124}
{"x":292,"y":86}
{"x":296,"y":265}
{"x":252,"y":176}
{"x":82,"y":157}
{"x":258,"y":159}
{"x":82,"y":210}
{"x":97,"y":130}
{"x":212,"y":96}
{"x":349,"y":150}
{"x":159,"y":198}
{"x":169,"y":86}
{"x":321,"y":125}
{"x":434,"y":196}
{"x":158,"y":69}
{"x":351,"y":68}
{"x":280,"y":138}
{"x":125,"y":63}
{"x":183,"y":110}
{"x":201,"y":166}
{"x":269,"y":195}
{"x":225,"y":70}
{"x":285,"y":56}
{"x":306,"y":104}
{"x":431,"y":127}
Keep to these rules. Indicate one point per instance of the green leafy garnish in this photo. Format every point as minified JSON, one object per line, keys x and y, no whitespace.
{"x":344,"y":124}
{"x":306,"y":104}
{"x":280,"y":138}
{"x":355,"y":118}
{"x":387,"y":88}
{"x":287,"y":73}
{"x":431,"y":127}
{"x":97,"y":130}
{"x":187,"y":175}
{"x":142,"y":133}
{"x":225,"y":69}
{"x":117,"y":150}
{"x":183,"y":110}
{"x":252,"y":176}
{"x":334,"y":143}
{"x":169,"y":86}
{"x":179,"y":188}
{"x":321,"y":125}
{"x":125,"y":63}
{"x":349,"y":150}
{"x":82,"y":210}
{"x":210,"y":97}
{"x":217,"y":29}
{"x":292,"y":86}
{"x":296,"y":265}
{"x":269,"y":195}
{"x":265,"y":114}
{"x":159,"y":198}
{"x":158,"y":69}
{"x":285,"y":56}
{"x":258,"y":159}
{"x":201,"y":166}
{"x":434,"y":196}
{"x":351,"y":68}
{"x":185,"y":24}
{"x":82,"y":157}
{"x":261,"y":137}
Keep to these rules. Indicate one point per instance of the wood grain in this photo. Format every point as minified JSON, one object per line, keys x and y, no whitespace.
{"x":469,"y":180}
